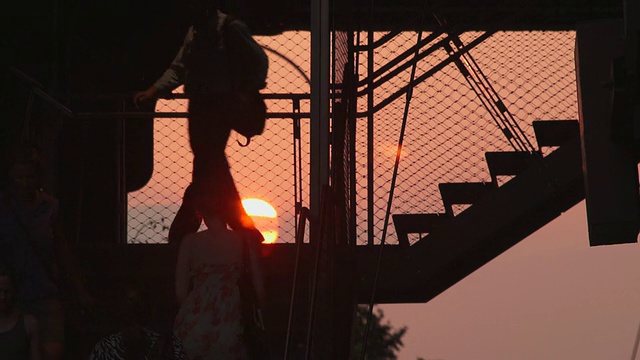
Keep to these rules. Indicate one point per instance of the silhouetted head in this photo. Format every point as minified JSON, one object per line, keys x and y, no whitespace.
{"x":25,"y":170}
{"x":7,"y":289}
{"x":202,"y":11}
{"x":137,"y":316}
{"x":137,"y":307}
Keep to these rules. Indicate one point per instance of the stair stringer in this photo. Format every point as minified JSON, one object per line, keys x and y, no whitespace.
{"x":494,"y":224}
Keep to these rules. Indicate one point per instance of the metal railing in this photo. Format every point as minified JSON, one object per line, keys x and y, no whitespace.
{"x":320,"y":250}
{"x":448,"y":127}
{"x":453,"y":120}
{"x":145,"y":226}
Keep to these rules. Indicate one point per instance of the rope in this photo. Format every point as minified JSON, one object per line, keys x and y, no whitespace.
{"x":393,"y":184}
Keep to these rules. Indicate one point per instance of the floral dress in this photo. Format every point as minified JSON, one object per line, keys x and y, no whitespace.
{"x":209,"y":322}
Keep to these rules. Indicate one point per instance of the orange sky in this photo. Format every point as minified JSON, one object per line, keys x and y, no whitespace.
{"x":550,"y":297}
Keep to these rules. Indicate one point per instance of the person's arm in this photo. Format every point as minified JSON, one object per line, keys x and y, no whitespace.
{"x":68,"y":263}
{"x":31,"y":325}
{"x":174,"y":75}
{"x":183,"y":282}
{"x":171,"y":78}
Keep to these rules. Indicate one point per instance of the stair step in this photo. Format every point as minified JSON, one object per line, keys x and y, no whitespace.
{"x":463,"y":193}
{"x":508,"y":163}
{"x":416,"y":224}
{"x":555,"y":132}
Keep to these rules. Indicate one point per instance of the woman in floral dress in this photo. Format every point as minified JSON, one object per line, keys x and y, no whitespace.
{"x":208,"y":268}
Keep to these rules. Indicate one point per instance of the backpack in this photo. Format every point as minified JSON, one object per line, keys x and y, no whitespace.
{"x":249,"y":65}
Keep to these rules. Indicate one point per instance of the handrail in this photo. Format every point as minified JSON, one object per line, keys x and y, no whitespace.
{"x":157,"y":114}
{"x":37,"y":91}
{"x":25,"y":77}
{"x":183,"y":96}
{"x":51,"y":101}
{"x":487,"y":94}
{"x":305,"y":214}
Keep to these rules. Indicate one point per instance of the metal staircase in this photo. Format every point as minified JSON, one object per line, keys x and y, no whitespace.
{"x":528,"y":187}
{"x":498,"y":217}
{"x":452,"y":244}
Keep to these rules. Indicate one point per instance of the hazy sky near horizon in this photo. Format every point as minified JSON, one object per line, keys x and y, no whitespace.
{"x":448,"y":128}
{"x":550,"y":297}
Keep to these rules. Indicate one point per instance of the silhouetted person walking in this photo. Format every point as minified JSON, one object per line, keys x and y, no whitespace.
{"x":204,"y":66}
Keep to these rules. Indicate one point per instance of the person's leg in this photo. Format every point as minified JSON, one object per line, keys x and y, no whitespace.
{"x":237,"y":217}
{"x":208,"y":134}
{"x":208,"y":140}
{"x":187,"y":219}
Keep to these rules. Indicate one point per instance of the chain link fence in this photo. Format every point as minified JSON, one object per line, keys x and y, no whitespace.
{"x":273,"y":168}
{"x":448,"y":129}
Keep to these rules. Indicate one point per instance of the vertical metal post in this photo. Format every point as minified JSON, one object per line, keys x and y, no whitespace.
{"x":370,"y":138}
{"x":631,"y":17}
{"x":319,"y":104}
{"x":121,"y":230}
{"x":353,"y":119}
{"x":297,"y":163}
{"x":55,"y":33}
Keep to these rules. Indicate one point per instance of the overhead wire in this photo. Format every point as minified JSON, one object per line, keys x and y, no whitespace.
{"x":405,"y":116}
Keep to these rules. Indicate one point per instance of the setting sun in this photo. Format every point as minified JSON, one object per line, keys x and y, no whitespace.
{"x":264,"y":216}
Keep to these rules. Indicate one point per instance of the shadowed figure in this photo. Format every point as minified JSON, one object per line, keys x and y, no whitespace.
{"x":19,"y":333}
{"x":204,"y":66}
{"x":210,"y":264}
{"x":137,"y":340}
{"x":33,"y":245}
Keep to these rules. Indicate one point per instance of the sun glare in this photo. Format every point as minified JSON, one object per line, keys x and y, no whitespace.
{"x":258,"y":207}
{"x":264,"y":216}
{"x":270,"y":237}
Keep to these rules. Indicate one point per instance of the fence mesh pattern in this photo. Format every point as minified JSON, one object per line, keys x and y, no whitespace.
{"x":448,"y":128}
{"x":263,"y":170}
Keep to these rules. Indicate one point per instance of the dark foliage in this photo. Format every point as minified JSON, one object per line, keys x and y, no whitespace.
{"x":383,"y":341}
